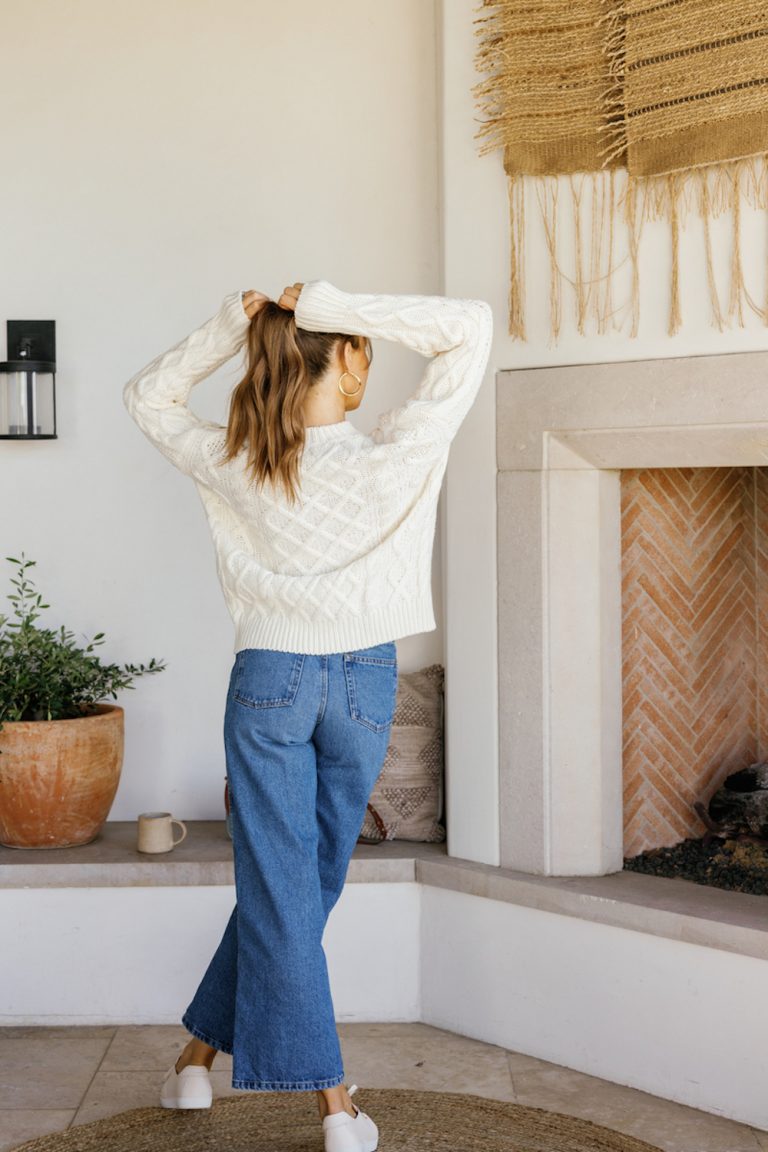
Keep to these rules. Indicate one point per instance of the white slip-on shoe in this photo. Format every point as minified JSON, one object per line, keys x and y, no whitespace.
{"x":345,"y":1133}
{"x":190,"y":1088}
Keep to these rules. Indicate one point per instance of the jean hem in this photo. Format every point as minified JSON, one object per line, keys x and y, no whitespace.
{"x":288,"y":1085}
{"x":206,"y":1037}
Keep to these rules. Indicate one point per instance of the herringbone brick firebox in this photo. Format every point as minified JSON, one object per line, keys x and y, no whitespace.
{"x":694,"y":560}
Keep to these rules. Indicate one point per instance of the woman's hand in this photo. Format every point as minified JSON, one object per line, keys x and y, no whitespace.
{"x":290,"y":297}
{"x":252,"y":302}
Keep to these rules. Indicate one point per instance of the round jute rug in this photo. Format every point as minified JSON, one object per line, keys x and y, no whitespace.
{"x":407,"y":1121}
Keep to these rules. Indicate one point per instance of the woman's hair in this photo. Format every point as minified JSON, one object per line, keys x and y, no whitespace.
{"x":266,"y":411}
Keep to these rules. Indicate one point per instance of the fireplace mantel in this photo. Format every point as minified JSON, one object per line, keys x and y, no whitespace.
{"x":563,"y":434}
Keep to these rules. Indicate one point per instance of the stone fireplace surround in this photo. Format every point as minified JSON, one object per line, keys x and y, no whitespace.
{"x":563,"y":434}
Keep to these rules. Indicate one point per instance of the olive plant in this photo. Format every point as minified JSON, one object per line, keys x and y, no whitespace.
{"x":44,"y":674}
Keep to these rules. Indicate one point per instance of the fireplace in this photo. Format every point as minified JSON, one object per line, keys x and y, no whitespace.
{"x":570,"y":443}
{"x":694,"y":566}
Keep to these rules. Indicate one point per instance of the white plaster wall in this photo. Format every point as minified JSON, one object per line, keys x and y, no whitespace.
{"x":136,"y":955}
{"x":475,"y":256}
{"x":626,"y":1007}
{"x":158,"y":156}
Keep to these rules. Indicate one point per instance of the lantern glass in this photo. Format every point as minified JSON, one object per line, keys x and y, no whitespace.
{"x":27,"y":404}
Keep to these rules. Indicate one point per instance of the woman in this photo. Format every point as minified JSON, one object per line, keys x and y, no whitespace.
{"x":323,"y":538}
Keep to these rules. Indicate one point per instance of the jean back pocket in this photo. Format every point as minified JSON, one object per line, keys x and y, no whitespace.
{"x":371,"y":677}
{"x":266,"y":679}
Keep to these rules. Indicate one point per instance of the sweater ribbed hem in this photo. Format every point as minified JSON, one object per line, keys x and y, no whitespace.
{"x":320,"y":637}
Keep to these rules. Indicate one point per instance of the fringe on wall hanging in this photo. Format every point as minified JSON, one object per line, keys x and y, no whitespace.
{"x":654,"y":110}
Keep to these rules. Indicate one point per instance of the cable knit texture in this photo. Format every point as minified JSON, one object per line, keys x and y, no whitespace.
{"x":349,"y":565}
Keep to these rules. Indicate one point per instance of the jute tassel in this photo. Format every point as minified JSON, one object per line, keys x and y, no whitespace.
{"x":754,"y":191}
{"x":608,"y":298}
{"x":593,"y":294}
{"x":603,"y":216}
{"x":748,"y":184}
{"x":674,"y":221}
{"x":736,"y":303}
{"x":708,"y":189}
{"x":598,"y":287}
{"x":578,"y":283}
{"x":596,"y":246}
{"x":635,"y":223}
{"x":705,"y":211}
{"x":547,"y":189}
{"x":516,"y":187}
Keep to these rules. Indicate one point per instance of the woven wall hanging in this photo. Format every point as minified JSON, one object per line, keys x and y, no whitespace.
{"x":656,"y":110}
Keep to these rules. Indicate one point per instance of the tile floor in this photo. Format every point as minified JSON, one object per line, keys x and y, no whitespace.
{"x":51,"y":1078}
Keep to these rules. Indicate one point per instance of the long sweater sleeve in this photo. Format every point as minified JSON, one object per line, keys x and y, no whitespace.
{"x":156,"y":396}
{"x":456,"y":333}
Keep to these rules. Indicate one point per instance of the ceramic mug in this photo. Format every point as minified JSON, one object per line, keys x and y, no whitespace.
{"x":156,"y":832}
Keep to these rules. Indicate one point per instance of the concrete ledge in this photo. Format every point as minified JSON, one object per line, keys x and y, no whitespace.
{"x":676,"y":909}
{"x":204,"y":858}
{"x":660,"y":906}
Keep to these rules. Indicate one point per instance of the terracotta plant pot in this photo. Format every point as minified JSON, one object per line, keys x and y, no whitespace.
{"x":58,"y":778}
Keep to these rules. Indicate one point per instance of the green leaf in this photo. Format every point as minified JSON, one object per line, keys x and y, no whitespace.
{"x":43,"y":671}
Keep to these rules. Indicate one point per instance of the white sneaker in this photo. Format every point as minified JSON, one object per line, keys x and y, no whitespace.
{"x":190,"y":1088}
{"x":345,"y":1133}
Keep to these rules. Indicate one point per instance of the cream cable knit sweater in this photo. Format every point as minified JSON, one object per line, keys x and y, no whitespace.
{"x":349,"y":565}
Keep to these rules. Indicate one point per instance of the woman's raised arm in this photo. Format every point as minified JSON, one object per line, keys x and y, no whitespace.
{"x":156,"y":396}
{"x":456,"y":333}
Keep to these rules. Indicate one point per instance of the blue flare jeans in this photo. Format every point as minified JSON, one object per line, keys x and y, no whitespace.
{"x":305,"y":739}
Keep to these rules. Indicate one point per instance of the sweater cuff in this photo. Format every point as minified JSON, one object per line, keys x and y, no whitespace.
{"x":323,"y":308}
{"x":234,"y":313}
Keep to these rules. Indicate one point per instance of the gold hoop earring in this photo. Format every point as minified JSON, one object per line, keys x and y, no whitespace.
{"x":359,"y":383}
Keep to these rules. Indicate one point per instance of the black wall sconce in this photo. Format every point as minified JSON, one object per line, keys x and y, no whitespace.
{"x":28,"y":381}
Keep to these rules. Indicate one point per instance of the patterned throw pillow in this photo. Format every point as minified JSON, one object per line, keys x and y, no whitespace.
{"x":407,"y":799}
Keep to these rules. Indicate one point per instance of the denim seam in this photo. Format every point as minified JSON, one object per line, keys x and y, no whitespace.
{"x":205,"y":1037}
{"x":288,"y":1085}
{"x":387,"y":661}
{"x":323,"y":688}
{"x":273,"y":702}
